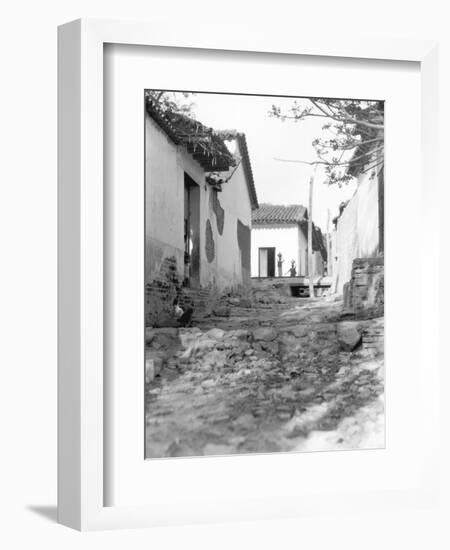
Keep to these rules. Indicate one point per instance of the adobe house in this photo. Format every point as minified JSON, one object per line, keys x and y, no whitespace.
{"x":278,"y":229}
{"x":199,"y":196}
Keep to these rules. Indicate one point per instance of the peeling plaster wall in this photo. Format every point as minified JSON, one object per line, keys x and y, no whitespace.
{"x":165,"y":166}
{"x":218,"y":210}
{"x":357,"y":233}
{"x":227,"y":269}
{"x":209,"y":243}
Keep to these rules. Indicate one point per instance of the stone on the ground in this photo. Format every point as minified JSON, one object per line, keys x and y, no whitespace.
{"x":221,"y":311}
{"x":298,"y":330}
{"x":371,"y":365}
{"x":266,"y":334}
{"x":236,"y":390}
{"x":245,"y":421}
{"x":216,"y":333}
{"x":348,"y":335}
{"x":239,"y":334}
{"x":271,"y":347}
{"x":204,"y":344}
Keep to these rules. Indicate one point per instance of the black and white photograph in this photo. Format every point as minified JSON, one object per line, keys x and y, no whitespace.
{"x":264,"y":274}
{"x":221,"y":330}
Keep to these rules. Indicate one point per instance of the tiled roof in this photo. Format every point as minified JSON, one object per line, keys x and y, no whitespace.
{"x":275,"y":213}
{"x":248,"y":170}
{"x":203,"y":143}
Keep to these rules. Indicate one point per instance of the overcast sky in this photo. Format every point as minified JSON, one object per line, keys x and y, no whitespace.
{"x":269,"y":138}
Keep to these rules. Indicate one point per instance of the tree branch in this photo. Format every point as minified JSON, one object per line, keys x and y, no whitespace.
{"x":347,"y":118}
{"x":329,"y":162}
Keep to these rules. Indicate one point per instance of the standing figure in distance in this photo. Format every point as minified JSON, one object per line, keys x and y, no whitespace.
{"x":280,"y":264}
{"x":293,"y":270}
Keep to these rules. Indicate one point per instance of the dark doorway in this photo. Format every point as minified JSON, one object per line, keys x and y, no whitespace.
{"x":267,"y":262}
{"x":299,"y":291}
{"x":191,"y":232}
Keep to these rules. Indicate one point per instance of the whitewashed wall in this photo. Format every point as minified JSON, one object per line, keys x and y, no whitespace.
{"x":285,"y":239}
{"x":226,"y":269}
{"x":291,"y":241}
{"x":357,"y":232}
{"x":166,"y":164}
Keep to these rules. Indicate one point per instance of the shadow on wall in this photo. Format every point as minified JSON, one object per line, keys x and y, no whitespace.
{"x":244,"y":242}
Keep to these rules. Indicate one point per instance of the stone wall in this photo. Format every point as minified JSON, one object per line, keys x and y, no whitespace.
{"x":364,"y":293}
{"x":160,"y":293}
{"x":208,"y":301}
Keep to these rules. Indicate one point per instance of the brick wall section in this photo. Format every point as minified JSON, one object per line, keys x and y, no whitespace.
{"x":165,"y":287}
{"x":364,"y":293}
{"x":160,"y":293}
{"x":202,"y":300}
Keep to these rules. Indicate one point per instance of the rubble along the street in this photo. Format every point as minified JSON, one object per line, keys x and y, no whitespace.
{"x":280,"y":375}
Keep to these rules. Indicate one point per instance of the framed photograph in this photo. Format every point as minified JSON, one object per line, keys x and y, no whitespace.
{"x":236,"y":338}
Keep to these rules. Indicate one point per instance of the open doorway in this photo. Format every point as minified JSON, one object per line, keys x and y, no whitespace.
{"x":191,"y":232}
{"x":267,"y":262}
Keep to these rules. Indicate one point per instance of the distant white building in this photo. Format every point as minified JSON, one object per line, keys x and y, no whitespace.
{"x":280,"y":237}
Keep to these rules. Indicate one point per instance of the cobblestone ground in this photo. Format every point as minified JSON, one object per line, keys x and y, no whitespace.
{"x":267,"y":378}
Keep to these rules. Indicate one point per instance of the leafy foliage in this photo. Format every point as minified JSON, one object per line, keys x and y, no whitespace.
{"x":353,"y":130}
{"x":172,"y":102}
{"x":176,"y":111}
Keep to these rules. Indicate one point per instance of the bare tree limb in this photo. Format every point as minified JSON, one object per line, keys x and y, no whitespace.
{"x":330,"y":162}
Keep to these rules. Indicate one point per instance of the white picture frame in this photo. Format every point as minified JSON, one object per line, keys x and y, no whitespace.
{"x":81,"y":481}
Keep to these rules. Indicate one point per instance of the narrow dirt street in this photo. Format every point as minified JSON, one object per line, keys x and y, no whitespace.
{"x":290,"y":376}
